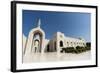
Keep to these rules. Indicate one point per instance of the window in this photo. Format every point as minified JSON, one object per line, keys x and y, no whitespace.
{"x":74,"y":43}
{"x":67,"y":43}
{"x":61,"y":44}
{"x":48,"y":48}
{"x":55,"y":46}
{"x":84,"y":44}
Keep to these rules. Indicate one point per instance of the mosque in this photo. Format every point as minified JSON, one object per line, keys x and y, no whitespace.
{"x":37,"y":43}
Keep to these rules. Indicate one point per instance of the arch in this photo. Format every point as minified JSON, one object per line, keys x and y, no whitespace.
{"x":61,"y":43}
{"x":37,"y":41}
{"x":30,"y":42}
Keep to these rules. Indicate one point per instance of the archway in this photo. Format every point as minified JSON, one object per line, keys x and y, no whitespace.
{"x":37,"y":42}
{"x":36,"y":32}
{"x":61,"y":43}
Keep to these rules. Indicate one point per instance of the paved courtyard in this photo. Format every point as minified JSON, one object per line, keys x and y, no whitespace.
{"x":48,"y":57}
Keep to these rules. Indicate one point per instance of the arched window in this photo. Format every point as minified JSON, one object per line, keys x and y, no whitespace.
{"x":61,"y":44}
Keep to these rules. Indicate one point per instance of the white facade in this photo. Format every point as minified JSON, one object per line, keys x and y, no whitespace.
{"x":37,"y":43}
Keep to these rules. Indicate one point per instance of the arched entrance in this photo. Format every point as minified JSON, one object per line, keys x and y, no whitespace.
{"x":37,"y":42}
{"x":61,"y":43}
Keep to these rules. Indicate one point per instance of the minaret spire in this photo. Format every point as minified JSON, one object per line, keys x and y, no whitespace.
{"x":39,"y":23}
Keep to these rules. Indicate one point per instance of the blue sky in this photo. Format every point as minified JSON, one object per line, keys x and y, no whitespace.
{"x":72,"y":24}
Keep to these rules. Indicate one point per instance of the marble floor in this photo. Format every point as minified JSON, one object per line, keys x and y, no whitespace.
{"x":48,"y":57}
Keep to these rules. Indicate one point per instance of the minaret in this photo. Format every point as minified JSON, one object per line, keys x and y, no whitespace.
{"x":39,"y":23}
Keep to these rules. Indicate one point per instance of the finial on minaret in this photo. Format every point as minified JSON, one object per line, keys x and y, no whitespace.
{"x":39,"y":23}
